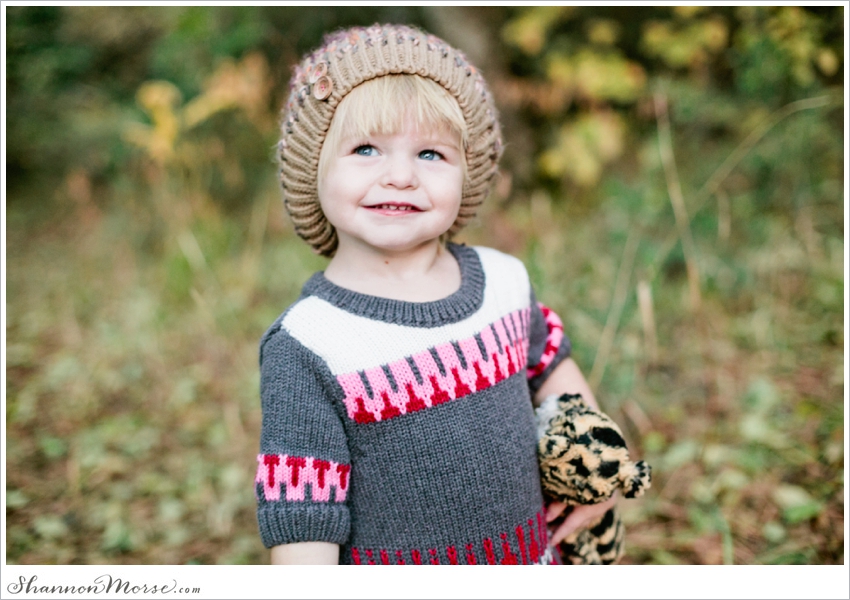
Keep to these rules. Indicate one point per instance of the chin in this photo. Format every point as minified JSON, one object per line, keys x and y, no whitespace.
{"x":400,"y":246}
{"x":403,"y":245}
{"x":400,"y":243}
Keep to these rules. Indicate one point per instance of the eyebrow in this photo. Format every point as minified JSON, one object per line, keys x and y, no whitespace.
{"x":454,"y":142}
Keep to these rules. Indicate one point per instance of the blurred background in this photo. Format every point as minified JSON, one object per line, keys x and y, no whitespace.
{"x":673,"y":180}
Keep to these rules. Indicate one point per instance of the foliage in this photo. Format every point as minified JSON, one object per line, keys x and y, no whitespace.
{"x":673,"y":182}
{"x":73,"y":72}
{"x":573,"y":65}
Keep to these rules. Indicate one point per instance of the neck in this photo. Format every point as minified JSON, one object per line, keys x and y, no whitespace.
{"x":425,"y":273}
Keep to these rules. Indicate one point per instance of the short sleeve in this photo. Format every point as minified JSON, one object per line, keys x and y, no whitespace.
{"x":548,"y":345}
{"x":303,"y":467}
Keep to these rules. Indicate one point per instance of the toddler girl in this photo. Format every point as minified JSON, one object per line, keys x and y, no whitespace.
{"x":398,"y":391}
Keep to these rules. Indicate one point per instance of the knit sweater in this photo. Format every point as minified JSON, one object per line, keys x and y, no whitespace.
{"x":404,"y":431}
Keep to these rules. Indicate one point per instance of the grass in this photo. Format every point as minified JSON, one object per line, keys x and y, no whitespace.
{"x":133,"y":316}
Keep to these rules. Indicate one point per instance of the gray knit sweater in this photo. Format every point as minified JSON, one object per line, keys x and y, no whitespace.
{"x":404,"y":431}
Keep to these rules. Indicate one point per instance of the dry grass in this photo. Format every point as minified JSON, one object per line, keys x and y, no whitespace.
{"x":132,"y":383}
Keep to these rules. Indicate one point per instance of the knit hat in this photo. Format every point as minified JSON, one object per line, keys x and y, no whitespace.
{"x":346,"y":59}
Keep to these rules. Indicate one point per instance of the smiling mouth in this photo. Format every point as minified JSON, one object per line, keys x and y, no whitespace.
{"x":395,"y":207}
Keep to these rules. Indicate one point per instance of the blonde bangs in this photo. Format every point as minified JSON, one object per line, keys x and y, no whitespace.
{"x":382,"y":106}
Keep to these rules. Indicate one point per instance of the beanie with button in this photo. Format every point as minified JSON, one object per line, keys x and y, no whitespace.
{"x":346,"y":59}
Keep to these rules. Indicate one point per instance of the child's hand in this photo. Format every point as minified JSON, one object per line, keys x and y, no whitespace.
{"x":577,"y":518}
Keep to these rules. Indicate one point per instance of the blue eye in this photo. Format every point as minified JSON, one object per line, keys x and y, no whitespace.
{"x":430,"y":155}
{"x":365,"y":150}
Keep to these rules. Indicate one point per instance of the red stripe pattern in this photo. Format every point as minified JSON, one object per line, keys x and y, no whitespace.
{"x":526,"y":544}
{"x":294,"y":472}
{"x":553,"y":340}
{"x":505,"y":353}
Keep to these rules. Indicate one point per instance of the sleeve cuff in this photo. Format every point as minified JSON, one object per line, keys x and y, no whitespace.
{"x":288,"y":524}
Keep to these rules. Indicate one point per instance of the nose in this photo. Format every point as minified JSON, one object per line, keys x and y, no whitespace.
{"x":400,"y":172}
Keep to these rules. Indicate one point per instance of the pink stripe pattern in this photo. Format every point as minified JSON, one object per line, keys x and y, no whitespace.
{"x":293,"y":473}
{"x":505,"y":345}
{"x":527,"y":544}
{"x":553,"y":340}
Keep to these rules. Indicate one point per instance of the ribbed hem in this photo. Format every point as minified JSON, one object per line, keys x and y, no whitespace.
{"x":293,"y":523}
{"x":452,"y":309}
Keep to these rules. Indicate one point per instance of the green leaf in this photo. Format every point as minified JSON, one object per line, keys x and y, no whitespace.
{"x":50,"y":527}
{"x":16,"y":499}
{"x":773,"y":532}
{"x":116,"y":537}
{"x":803,"y":512}
{"x":662,"y":557}
{"x":679,"y":454}
{"x":53,"y":447}
{"x":796,"y":503}
{"x":761,"y":396}
{"x":701,"y":520}
{"x":755,"y":427}
{"x":654,"y":442}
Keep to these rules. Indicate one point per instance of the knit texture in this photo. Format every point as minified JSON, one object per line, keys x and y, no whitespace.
{"x":405,"y":431}
{"x":345,"y":60}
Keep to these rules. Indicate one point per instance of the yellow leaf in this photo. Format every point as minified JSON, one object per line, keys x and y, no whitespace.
{"x":560,"y":70}
{"x":827,"y":62}
{"x":154,"y":95}
{"x":528,"y":31}
{"x":608,"y":76}
{"x":603,"y":31}
{"x":687,"y":12}
{"x":583,"y":148}
{"x":715,"y":34}
{"x":552,"y":162}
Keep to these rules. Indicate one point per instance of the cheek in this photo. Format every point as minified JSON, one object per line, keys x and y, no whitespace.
{"x":329,"y":201}
{"x":448,"y":186}
{"x":334,"y":188}
{"x":454,"y":193}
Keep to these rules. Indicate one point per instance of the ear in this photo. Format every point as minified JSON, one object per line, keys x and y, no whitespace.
{"x":635,"y":478}
{"x":567,"y":402}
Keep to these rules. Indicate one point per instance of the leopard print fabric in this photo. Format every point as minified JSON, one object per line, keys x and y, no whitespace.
{"x":600,"y":543}
{"x":584,"y":460}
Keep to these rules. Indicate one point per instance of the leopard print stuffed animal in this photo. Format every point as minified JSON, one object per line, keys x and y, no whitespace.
{"x":584,"y":460}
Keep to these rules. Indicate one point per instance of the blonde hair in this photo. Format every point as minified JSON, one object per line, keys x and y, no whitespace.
{"x":380,"y":106}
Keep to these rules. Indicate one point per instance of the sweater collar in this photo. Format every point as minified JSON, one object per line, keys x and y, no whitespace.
{"x":451,"y":309}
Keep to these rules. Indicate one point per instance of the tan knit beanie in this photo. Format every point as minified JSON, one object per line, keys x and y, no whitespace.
{"x":348,"y":58}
